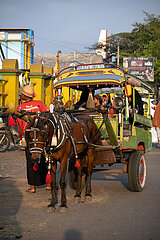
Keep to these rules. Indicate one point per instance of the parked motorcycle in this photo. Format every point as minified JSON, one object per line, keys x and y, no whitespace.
{"x":8,"y":135}
{"x":4,"y":138}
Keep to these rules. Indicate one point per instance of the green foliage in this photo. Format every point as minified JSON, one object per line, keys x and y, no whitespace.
{"x":147,"y":41}
{"x":142,"y":41}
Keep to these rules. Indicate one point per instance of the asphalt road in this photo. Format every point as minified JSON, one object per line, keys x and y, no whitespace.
{"x":114,"y":213}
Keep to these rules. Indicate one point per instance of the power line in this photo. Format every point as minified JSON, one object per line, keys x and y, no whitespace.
{"x":61,"y":46}
{"x":60,"y":43}
{"x":28,"y":58}
{"x":20,"y":54}
{"x":53,"y":40}
{"x":57,"y":42}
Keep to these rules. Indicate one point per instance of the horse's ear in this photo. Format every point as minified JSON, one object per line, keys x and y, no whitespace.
{"x":30,"y":118}
{"x":45,"y":120}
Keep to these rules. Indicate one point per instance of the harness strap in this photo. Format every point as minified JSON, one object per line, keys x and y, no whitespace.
{"x":74,"y":142}
{"x":59,"y":125}
{"x":74,"y":147}
{"x":84,"y":136}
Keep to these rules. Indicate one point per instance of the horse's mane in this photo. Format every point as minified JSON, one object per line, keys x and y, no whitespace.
{"x":37,"y":121}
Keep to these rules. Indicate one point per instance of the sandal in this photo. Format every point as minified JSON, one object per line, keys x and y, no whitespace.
{"x":31,"y":190}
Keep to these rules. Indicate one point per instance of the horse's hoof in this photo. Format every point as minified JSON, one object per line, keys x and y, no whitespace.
{"x":77,"y":199}
{"x":51,"y":205}
{"x":88,"y":198}
{"x":63,"y":209}
{"x":50,"y":209}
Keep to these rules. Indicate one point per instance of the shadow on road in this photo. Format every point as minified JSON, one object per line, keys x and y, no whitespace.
{"x":72,"y":234}
{"x":10,"y":201}
{"x":112,"y":177}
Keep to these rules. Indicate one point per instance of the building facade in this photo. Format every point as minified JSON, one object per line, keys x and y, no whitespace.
{"x":17,"y":43}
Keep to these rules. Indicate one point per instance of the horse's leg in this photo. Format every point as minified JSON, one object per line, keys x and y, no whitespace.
{"x":89,"y":172}
{"x":79,"y":185}
{"x":63,"y":182}
{"x":53,"y":186}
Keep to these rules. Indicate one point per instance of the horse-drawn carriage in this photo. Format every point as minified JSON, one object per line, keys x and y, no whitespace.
{"x":125,"y":137}
{"x":93,"y":137}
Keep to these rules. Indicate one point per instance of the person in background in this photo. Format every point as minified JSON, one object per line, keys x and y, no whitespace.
{"x":156,"y":122}
{"x":138,"y":106}
{"x":98,"y":101}
{"x":138,"y":103}
{"x":106,"y":99}
{"x":35,"y":178}
{"x":83,"y":99}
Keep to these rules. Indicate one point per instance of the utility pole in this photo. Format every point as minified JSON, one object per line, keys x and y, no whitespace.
{"x":118,"y":53}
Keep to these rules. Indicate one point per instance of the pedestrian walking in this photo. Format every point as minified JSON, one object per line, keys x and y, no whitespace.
{"x":156,"y":122}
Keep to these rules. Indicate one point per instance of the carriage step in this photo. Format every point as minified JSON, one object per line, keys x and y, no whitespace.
{"x":104,"y":148}
{"x":109,"y":170}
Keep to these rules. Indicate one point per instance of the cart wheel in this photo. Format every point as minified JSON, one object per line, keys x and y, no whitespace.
{"x":4,"y":142}
{"x":72,"y":175}
{"x":137,"y":171}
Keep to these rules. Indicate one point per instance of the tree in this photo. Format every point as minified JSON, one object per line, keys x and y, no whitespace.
{"x":142,"y":41}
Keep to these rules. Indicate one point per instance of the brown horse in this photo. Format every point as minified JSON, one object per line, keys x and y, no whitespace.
{"x":60,"y":138}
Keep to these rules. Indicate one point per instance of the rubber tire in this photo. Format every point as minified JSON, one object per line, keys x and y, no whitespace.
{"x":4,"y":146}
{"x":72,"y":175}
{"x":137,"y":171}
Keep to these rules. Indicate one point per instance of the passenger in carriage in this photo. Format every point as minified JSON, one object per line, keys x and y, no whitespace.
{"x":35,"y":178}
{"x":138,"y":105}
{"x":106,"y":99}
{"x":83,"y":100}
{"x":86,"y":100}
{"x":98,"y":101}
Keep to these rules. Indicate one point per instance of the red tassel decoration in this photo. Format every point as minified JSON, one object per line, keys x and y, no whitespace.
{"x":48,"y":177}
{"x":35,"y":167}
{"x":77,"y":164}
{"x":111,"y":112}
{"x":11,"y":122}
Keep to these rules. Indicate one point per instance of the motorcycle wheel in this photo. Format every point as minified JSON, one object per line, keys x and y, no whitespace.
{"x":4,"y":142}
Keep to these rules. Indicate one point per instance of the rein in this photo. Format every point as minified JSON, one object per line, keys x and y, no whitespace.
{"x":98,"y":131}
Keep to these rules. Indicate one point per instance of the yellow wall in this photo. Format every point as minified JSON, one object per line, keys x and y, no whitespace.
{"x":67,"y":94}
{"x":11,"y":73}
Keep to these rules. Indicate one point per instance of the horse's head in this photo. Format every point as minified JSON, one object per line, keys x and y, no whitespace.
{"x":36,"y":136}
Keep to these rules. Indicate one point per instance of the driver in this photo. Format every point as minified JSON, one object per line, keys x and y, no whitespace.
{"x":29,"y":105}
{"x":35,"y":178}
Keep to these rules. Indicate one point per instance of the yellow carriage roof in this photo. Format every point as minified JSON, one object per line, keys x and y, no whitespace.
{"x":90,"y":77}
{"x":98,"y":77}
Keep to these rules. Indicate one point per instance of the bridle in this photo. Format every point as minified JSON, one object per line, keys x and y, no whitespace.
{"x":35,"y":141}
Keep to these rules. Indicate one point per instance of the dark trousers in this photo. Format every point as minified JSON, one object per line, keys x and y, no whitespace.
{"x":36,"y":178}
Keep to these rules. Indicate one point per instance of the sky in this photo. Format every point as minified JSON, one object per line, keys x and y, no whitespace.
{"x":73,"y":25}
